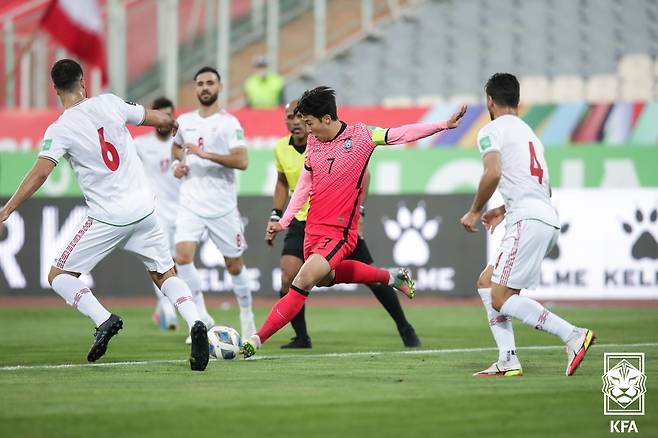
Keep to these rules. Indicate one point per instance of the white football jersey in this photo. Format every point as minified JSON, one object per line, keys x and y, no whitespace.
{"x":209,"y":189}
{"x":93,"y":137}
{"x":524,"y":183}
{"x":156,"y":158}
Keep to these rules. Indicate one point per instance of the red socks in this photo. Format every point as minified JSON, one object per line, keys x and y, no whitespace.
{"x":283,"y":311}
{"x":351,"y":271}
{"x":347,"y":271}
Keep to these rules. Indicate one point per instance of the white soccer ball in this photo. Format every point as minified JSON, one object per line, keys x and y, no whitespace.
{"x":224,"y":342}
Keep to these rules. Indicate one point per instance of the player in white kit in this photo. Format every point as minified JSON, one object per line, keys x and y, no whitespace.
{"x":210,"y":146}
{"x":514,"y":163}
{"x":154,"y":149}
{"x":92,"y":135}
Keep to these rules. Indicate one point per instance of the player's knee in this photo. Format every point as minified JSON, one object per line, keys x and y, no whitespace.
{"x":483,"y":283}
{"x":233,"y":265}
{"x":484,"y":280}
{"x":303,"y":281}
{"x":52,"y":274}
{"x":497,"y":301}
{"x":183,"y":259}
{"x":328,"y":280}
{"x":159,"y":278}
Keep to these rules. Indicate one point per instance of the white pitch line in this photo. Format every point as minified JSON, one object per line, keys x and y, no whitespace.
{"x":314,"y":356}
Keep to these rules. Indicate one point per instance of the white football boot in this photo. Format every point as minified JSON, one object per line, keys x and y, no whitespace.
{"x":577,"y":345}
{"x":503,"y":368}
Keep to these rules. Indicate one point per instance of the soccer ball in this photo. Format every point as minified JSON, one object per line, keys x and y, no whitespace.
{"x":223,"y":342}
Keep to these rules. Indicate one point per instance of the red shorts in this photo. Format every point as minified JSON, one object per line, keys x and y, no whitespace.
{"x":332,"y":246}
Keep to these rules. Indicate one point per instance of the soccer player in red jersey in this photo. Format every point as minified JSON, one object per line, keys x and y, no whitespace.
{"x":335,"y":163}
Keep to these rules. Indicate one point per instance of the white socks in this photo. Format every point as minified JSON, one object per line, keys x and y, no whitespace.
{"x":177,"y":291}
{"x":164,"y":302}
{"x":190,"y":275}
{"x":535,"y":315}
{"x":78,"y":296}
{"x":241,"y":288}
{"x":501,"y":328}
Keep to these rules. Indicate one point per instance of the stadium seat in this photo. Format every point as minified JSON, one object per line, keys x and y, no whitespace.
{"x":635,"y":65}
{"x":567,"y":89}
{"x":602,"y":88}
{"x":448,"y":51}
{"x":397,"y":102}
{"x":468,"y":99}
{"x":534,"y":89}
{"x":637,"y":90}
{"x":429,"y":100}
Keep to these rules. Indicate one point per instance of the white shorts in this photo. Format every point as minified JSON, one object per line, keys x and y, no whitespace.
{"x":169,"y":230}
{"x":518,"y":260}
{"x":226,"y":232}
{"x":94,"y":240}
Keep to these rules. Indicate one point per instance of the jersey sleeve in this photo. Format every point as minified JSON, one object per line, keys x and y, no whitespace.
{"x":236,"y":136}
{"x":132,"y":113}
{"x":52,"y":146}
{"x":178,"y":138}
{"x":378,"y":135}
{"x":307,"y":160}
{"x":277,"y":161}
{"x":488,"y":140}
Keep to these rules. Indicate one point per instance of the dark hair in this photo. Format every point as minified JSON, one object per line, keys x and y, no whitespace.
{"x":162,"y":102}
{"x":318,"y":102}
{"x":65,"y":74}
{"x":208,"y":69}
{"x":503,"y":89}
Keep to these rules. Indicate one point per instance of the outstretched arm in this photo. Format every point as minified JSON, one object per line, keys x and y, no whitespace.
{"x":158,"y":119}
{"x":299,"y":198}
{"x":30,"y":184}
{"x":235,"y":159}
{"x":413,"y":132}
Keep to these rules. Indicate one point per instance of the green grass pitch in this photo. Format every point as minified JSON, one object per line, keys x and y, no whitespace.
{"x":313,"y":393}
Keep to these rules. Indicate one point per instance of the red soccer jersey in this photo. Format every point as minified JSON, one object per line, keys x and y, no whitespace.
{"x":338,"y":170}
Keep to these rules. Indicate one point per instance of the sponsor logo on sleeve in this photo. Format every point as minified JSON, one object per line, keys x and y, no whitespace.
{"x":485,"y":142}
{"x":46,"y":143}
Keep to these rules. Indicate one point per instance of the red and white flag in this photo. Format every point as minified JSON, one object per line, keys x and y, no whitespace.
{"x":78,"y":26}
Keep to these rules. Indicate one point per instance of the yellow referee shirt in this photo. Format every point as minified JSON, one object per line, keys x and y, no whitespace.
{"x":290,"y":161}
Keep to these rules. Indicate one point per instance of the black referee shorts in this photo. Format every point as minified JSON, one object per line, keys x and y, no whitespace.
{"x":293,"y":244}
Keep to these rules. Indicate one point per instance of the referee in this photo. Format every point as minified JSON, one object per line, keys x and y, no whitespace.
{"x":289,"y":155}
